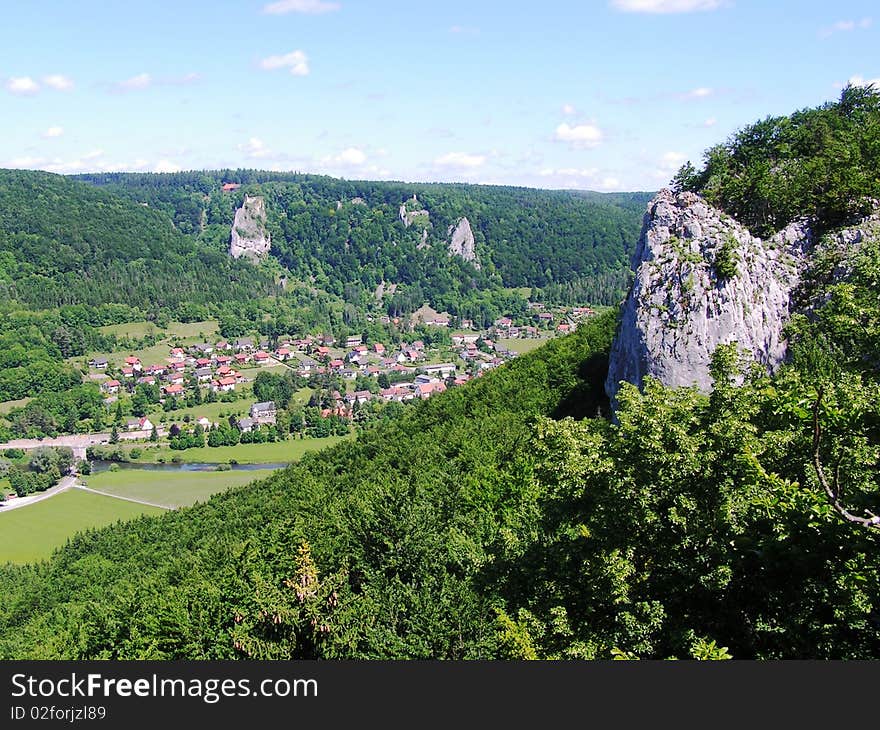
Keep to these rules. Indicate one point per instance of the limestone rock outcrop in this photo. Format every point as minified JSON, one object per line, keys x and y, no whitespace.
{"x":701,"y":280}
{"x":461,"y":241}
{"x":249,"y":237}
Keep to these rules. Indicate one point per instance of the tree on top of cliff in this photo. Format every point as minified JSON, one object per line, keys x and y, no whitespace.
{"x":823,"y":163}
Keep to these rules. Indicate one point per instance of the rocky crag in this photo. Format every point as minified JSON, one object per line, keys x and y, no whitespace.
{"x":461,"y":241}
{"x":249,"y":237}
{"x":701,"y":280}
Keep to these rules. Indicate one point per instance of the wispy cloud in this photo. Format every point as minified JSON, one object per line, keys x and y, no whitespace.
{"x":135,"y":83}
{"x":579,"y":135}
{"x":658,"y":7}
{"x":464,"y":30}
{"x":460,"y":159}
{"x":700,"y":92}
{"x":22,"y":86}
{"x":296,"y":61}
{"x":305,"y":7}
{"x":588,"y":178}
{"x":166,"y":166}
{"x":189,"y":78}
{"x":53,"y":132}
{"x":350,"y":156}
{"x":254,"y":148}
{"x":568,"y":110}
{"x":58,"y":82}
{"x":845,"y":26}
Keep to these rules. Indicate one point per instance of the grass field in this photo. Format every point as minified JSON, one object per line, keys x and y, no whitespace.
{"x":277,"y":452}
{"x":170,"y":489}
{"x":31,"y":533}
{"x":8,"y":405}
{"x":131,"y":329}
{"x":522,"y":346}
{"x":211,"y":411}
{"x":193,"y":330}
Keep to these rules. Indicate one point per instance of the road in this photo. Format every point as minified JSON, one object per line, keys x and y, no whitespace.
{"x":78,"y":442}
{"x":16,"y":502}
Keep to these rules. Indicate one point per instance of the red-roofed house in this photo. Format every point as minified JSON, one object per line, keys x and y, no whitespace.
{"x":110,"y":386}
{"x":379,"y":348}
{"x":261,"y":357}
{"x":173,"y":389}
{"x":223,"y":385}
{"x":282,"y":353}
{"x":229,"y":187}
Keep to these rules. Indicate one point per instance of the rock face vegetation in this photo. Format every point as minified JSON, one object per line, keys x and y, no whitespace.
{"x":249,"y":237}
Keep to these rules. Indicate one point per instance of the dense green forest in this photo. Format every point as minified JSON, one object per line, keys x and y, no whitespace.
{"x":63,"y":242}
{"x":344,"y":231}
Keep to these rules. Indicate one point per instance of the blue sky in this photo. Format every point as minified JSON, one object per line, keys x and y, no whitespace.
{"x":601,"y":95}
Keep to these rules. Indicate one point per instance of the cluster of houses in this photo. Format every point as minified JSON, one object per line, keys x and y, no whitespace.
{"x":212,"y":366}
{"x":216,"y":366}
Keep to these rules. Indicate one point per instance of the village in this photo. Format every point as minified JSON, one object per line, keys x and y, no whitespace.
{"x":365,"y":372}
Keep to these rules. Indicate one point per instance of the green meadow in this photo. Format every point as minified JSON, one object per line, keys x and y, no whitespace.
{"x":31,"y":533}
{"x":170,"y":489}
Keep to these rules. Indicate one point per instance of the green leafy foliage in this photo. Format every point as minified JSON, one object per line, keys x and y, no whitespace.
{"x":820,"y":163}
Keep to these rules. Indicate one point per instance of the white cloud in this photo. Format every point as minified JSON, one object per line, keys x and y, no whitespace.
{"x":460,"y":159}
{"x":845,"y":26}
{"x":296,"y":61}
{"x":188,"y":78}
{"x":587,"y":172}
{"x":568,"y":110}
{"x":671,"y":161}
{"x":58,"y":82}
{"x":664,"y":6}
{"x":254,"y":148}
{"x":25,"y":163}
{"x":307,"y":7}
{"x":464,"y":30}
{"x":580,"y":135}
{"x":351,"y":156}
{"x":710,"y":122}
{"x":22,"y":85}
{"x":53,"y":132}
{"x":587,"y":178}
{"x":699,"y":93}
{"x":135,"y":83}
{"x":166,"y":166}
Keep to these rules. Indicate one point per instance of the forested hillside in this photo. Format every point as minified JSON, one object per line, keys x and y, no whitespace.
{"x":65,"y":242}
{"x":344,"y":231}
{"x":504,"y":519}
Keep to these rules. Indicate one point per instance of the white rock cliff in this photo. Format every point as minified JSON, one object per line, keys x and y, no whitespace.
{"x":249,"y":237}
{"x":461,"y":241}
{"x":680,"y":307}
